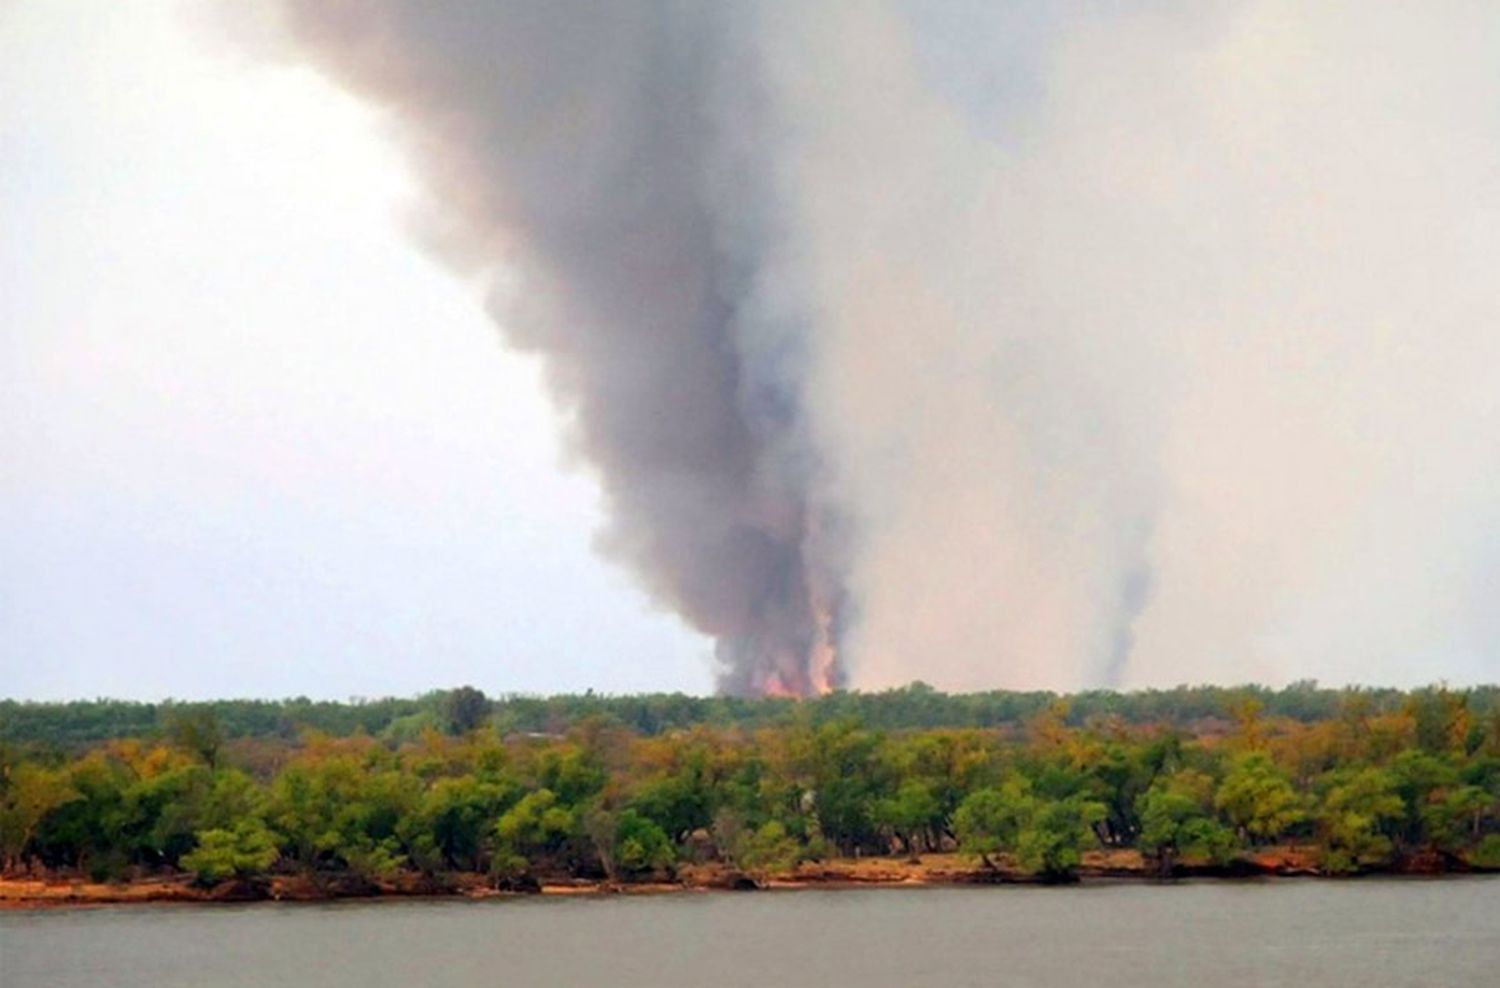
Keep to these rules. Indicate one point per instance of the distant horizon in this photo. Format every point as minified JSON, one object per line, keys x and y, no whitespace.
{"x":499,"y":696}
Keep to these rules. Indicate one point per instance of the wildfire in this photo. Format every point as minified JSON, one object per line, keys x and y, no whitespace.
{"x":822,"y":663}
{"x":776,"y":686}
{"x":800,"y":655}
{"x":813,"y":674}
{"x":823,"y":660}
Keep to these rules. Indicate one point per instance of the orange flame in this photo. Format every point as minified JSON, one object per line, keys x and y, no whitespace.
{"x":822,"y":663}
{"x":777,"y":687}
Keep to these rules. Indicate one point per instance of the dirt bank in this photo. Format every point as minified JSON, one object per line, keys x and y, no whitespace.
{"x":27,"y":892}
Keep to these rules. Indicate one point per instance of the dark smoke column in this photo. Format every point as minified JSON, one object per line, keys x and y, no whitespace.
{"x":582,"y":151}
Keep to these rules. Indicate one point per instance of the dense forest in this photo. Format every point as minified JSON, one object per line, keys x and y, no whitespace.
{"x":454,"y":785}
{"x":70,"y":725}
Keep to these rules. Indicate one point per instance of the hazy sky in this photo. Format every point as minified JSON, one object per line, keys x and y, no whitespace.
{"x":252,"y":441}
{"x":1055,"y":345}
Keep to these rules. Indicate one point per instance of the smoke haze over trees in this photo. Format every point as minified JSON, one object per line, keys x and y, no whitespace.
{"x":1015,"y":344}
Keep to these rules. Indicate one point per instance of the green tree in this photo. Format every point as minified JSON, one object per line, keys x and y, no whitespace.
{"x":1355,"y":817}
{"x":1052,"y":841}
{"x":1121,"y":772}
{"x":841,"y":766}
{"x":337,"y":813}
{"x":679,"y":803}
{"x":464,"y":709}
{"x":164,"y":811}
{"x":90,"y":832}
{"x":1177,"y":820}
{"x":246,"y":850}
{"x":641,"y":845}
{"x":454,"y":820}
{"x":1456,"y":821}
{"x":30,"y":793}
{"x":989,"y":822}
{"x":1486,"y":854}
{"x":1441,"y":717}
{"x":197,"y":731}
{"x":1258,"y":799}
{"x":1422,"y":780}
{"x":767,"y":850}
{"x":535,"y":827}
{"x":370,"y":859}
{"x":573,"y":774}
{"x":910,"y":814}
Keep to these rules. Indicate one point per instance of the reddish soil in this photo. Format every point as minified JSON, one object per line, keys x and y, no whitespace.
{"x":28,"y":892}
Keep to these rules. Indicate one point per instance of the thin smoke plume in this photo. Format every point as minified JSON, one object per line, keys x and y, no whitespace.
{"x":1025,"y":345}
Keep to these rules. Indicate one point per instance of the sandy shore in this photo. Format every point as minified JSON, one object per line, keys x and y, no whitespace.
{"x":26,"y":892}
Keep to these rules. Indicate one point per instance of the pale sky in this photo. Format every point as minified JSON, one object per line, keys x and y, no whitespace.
{"x":1135,"y":345}
{"x":253,"y":442}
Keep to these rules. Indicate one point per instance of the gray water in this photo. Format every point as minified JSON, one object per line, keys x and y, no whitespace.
{"x":1297,"y":933}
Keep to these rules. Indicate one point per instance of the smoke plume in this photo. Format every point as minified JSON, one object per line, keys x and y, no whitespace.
{"x":994,"y":344}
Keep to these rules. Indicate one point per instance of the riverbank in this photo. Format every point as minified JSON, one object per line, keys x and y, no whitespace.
{"x":25,"y":892}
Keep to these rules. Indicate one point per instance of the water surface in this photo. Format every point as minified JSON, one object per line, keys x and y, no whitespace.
{"x":1294,"y":933}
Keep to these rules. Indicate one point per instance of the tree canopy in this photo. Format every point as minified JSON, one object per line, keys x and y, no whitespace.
{"x":633,"y":788}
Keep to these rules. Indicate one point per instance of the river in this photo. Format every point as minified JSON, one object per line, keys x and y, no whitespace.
{"x":1374,"y":932}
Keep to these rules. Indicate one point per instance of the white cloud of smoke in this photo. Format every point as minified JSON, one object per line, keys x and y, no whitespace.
{"x":1023,"y":347}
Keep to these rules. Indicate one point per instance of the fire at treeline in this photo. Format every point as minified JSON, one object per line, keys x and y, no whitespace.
{"x":454,"y":787}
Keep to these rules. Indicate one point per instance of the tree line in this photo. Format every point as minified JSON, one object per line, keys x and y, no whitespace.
{"x":84,"y":722}
{"x":1374,"y":780}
